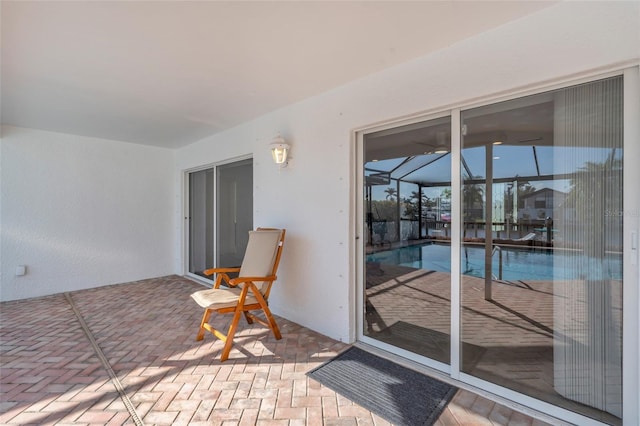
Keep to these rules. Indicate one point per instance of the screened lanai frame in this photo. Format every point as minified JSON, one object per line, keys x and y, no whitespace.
{"x":525,"y":156}
{"x":427,"y":171}
{"x":385,"y":171}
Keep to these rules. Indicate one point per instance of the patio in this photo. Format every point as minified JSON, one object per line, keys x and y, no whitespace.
{"x":51,"y":373}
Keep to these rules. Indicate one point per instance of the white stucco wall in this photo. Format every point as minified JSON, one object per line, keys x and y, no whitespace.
{"x":314,"y":199}
{"x":82,"y":212}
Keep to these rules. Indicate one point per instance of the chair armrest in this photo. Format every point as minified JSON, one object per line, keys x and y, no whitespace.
{"x":212,"y":271}
{"x":235,"y":281}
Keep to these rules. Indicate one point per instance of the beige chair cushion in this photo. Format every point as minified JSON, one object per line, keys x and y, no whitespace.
{"x":260,"y":255}
{"x":217,"y":298}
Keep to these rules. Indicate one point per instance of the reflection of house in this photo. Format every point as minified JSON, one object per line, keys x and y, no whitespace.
{"x":539,"y":204}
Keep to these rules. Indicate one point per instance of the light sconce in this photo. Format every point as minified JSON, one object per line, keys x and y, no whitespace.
{"x":280,"y":151}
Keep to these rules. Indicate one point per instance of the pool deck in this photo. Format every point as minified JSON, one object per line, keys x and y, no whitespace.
{"x":508,"y":340}
{"x":51,"y":373}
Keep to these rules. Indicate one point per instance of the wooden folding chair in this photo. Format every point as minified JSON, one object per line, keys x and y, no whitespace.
{"x":248,"y":292}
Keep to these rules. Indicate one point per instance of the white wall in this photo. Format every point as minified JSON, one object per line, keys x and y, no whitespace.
{"x":82,"y":212}
{"x":314,"y":199}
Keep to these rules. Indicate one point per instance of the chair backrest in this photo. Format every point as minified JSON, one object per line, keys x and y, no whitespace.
{"x":262,"y":255}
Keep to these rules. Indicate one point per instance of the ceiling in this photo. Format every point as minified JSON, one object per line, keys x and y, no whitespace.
{"x":169,"y":73}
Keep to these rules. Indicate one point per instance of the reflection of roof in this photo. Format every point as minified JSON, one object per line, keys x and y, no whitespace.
{"x":518,"y":137}
{"x":525,"y":163}
{"x":542,"y":191}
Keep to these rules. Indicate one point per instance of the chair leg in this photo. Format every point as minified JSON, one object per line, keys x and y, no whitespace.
{"x":205,"y":319}
{"x":272,"y":322}
{"x":226,"y":350}
{"x":248,"y":318}
{"x":267,"y":313}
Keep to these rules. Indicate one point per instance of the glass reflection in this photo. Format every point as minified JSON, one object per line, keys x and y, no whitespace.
{"x":541,"y":288}
{"x":407,"y":193}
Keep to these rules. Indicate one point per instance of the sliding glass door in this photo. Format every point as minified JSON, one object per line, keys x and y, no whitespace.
{"x":220,"y":215}
{"x":536,"y":232}
{"x":407,"y":208}
{"x":542,"y":243}
{"x":200,"y":220}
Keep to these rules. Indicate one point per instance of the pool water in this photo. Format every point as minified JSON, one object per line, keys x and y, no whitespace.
{"x":517,"y":263}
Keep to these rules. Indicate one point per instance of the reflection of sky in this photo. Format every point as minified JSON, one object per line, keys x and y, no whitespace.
{"x":384,"y":165}
{"x":562,"y":185}
{"x":436,"y":172}
{"x":512,"y":161}
{"x":475,"y":159}
{"x":565,"y":160}
{"x":377,"y":192}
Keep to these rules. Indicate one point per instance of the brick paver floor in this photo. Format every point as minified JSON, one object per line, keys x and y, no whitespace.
{"x":145,"y":334}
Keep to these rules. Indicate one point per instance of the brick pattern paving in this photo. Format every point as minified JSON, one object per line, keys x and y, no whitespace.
{"x":467,"y":408}
{"x":50,"y":373}
{"x":508,"y":340}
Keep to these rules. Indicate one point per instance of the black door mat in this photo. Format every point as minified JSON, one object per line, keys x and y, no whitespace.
{"x":398,"y":394}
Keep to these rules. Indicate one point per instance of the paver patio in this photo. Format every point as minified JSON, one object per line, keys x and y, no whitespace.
{"x":51,"y":374}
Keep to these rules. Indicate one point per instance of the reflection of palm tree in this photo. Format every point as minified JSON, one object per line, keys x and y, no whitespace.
{"x":473,"y":194}
{"x":472,"y":197}
{"x":594,"y":192}
{"x":391,"y":193}
{"x":410,"y":208}
{"x":411,"y":205}
{"x":589,"y":181}
{"x":426,"y":201}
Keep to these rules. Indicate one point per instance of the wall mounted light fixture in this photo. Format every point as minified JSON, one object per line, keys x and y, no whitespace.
{"x":280,"y":151}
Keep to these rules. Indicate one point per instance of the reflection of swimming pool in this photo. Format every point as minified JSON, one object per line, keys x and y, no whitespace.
{"x":517,"y":263}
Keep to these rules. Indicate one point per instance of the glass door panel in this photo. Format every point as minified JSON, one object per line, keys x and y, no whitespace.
{"x":541,"y":259}
{"x":220,"y":215}
{"x":201,"y":208}
{"x":234,"y":211}
{"x":407,"y":208}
